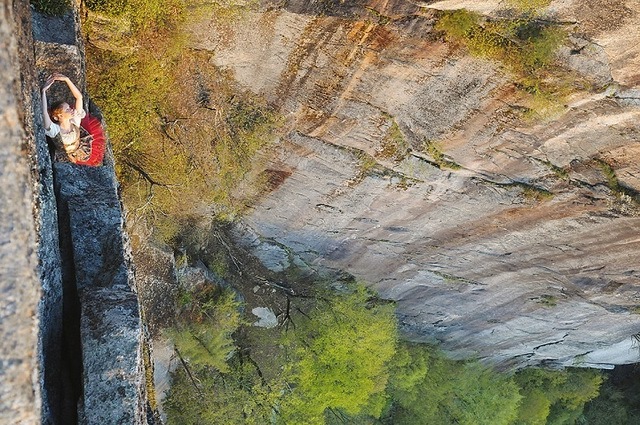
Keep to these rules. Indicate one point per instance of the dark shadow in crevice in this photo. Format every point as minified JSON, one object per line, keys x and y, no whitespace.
{"x":67,"y":389}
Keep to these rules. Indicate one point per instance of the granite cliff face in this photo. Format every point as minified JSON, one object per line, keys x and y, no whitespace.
{"x":527,"y":252}
{"x":523,"y":253}
{"x":19,"y":283}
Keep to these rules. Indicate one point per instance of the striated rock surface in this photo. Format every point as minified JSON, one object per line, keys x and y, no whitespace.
{"x":524,"y":253}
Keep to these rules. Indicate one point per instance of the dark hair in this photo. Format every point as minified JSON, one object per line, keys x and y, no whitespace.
{"x":55,"y":110}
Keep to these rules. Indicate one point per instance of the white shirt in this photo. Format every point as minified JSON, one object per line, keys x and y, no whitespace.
{"x":67,"y":138}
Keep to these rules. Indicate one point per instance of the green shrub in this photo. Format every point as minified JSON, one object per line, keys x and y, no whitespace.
{"x":524,"y":45}
{"x":203,"y":335}
{"x":343,"y":355}
{"x":52,"y":7}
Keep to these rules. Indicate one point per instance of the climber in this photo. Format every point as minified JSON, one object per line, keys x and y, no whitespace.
{"x":77,"y":137}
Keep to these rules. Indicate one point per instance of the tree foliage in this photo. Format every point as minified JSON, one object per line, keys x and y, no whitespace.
{"x":408,"y":370}
{"x":555,"y":397}
{"x":454,"y":393}
{"x":338,"y":363}
{"x":185,"y":139}
{"x":342,"y":359}
{"x":343,"y":363}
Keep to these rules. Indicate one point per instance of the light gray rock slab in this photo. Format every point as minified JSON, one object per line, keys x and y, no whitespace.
{"x":272,"y":256}
{"x":266,"y":316}
{"x":164,"y":363}
{"x":110,"y":327}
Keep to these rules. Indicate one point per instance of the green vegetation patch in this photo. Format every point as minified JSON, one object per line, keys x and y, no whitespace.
{"x":434,"y":150}
{"x":366,"y":164}
{"x":530,"y":6}
{"x":610,"y":175}
{"x":560,"y":172}
{"x":185,"y":139}
{"x":547,"y":300}
{"x":394,"y":145}
{"x":341,"y":362}
{"x":52,"y":7}
{"x":534,"y":193}
{"x":530,"y":192}
{"x":144,"y":15}
{"x":525,"y":45}
{"x":620,"y":191}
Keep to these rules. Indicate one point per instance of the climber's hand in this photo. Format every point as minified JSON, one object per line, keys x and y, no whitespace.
{"x":48,"y":83}
{"x":59,"y":77}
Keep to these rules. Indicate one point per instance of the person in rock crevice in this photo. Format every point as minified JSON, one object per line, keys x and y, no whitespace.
{"x":62,"y":123}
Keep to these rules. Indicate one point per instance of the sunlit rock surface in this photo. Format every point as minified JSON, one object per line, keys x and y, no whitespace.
{"x":20,"y":398}
{"x":480,"y":257}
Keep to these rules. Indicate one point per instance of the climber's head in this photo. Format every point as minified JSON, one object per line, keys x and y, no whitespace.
{"x":60,"y":111}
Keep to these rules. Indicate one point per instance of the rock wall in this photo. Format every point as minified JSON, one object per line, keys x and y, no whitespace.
{"x":102,"y":314}
{"x":526,"y":252}
{"x":20,"y":399}
{"x":69,"y":317}
{"x":101,"y":375}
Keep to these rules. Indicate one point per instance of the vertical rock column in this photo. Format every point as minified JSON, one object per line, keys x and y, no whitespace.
{"x":109,"y":327}
{"x":19,"y":284}
{"x":98,"y":377}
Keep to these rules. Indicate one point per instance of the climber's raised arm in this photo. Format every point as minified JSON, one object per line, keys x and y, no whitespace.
{"x":45,"y":110}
